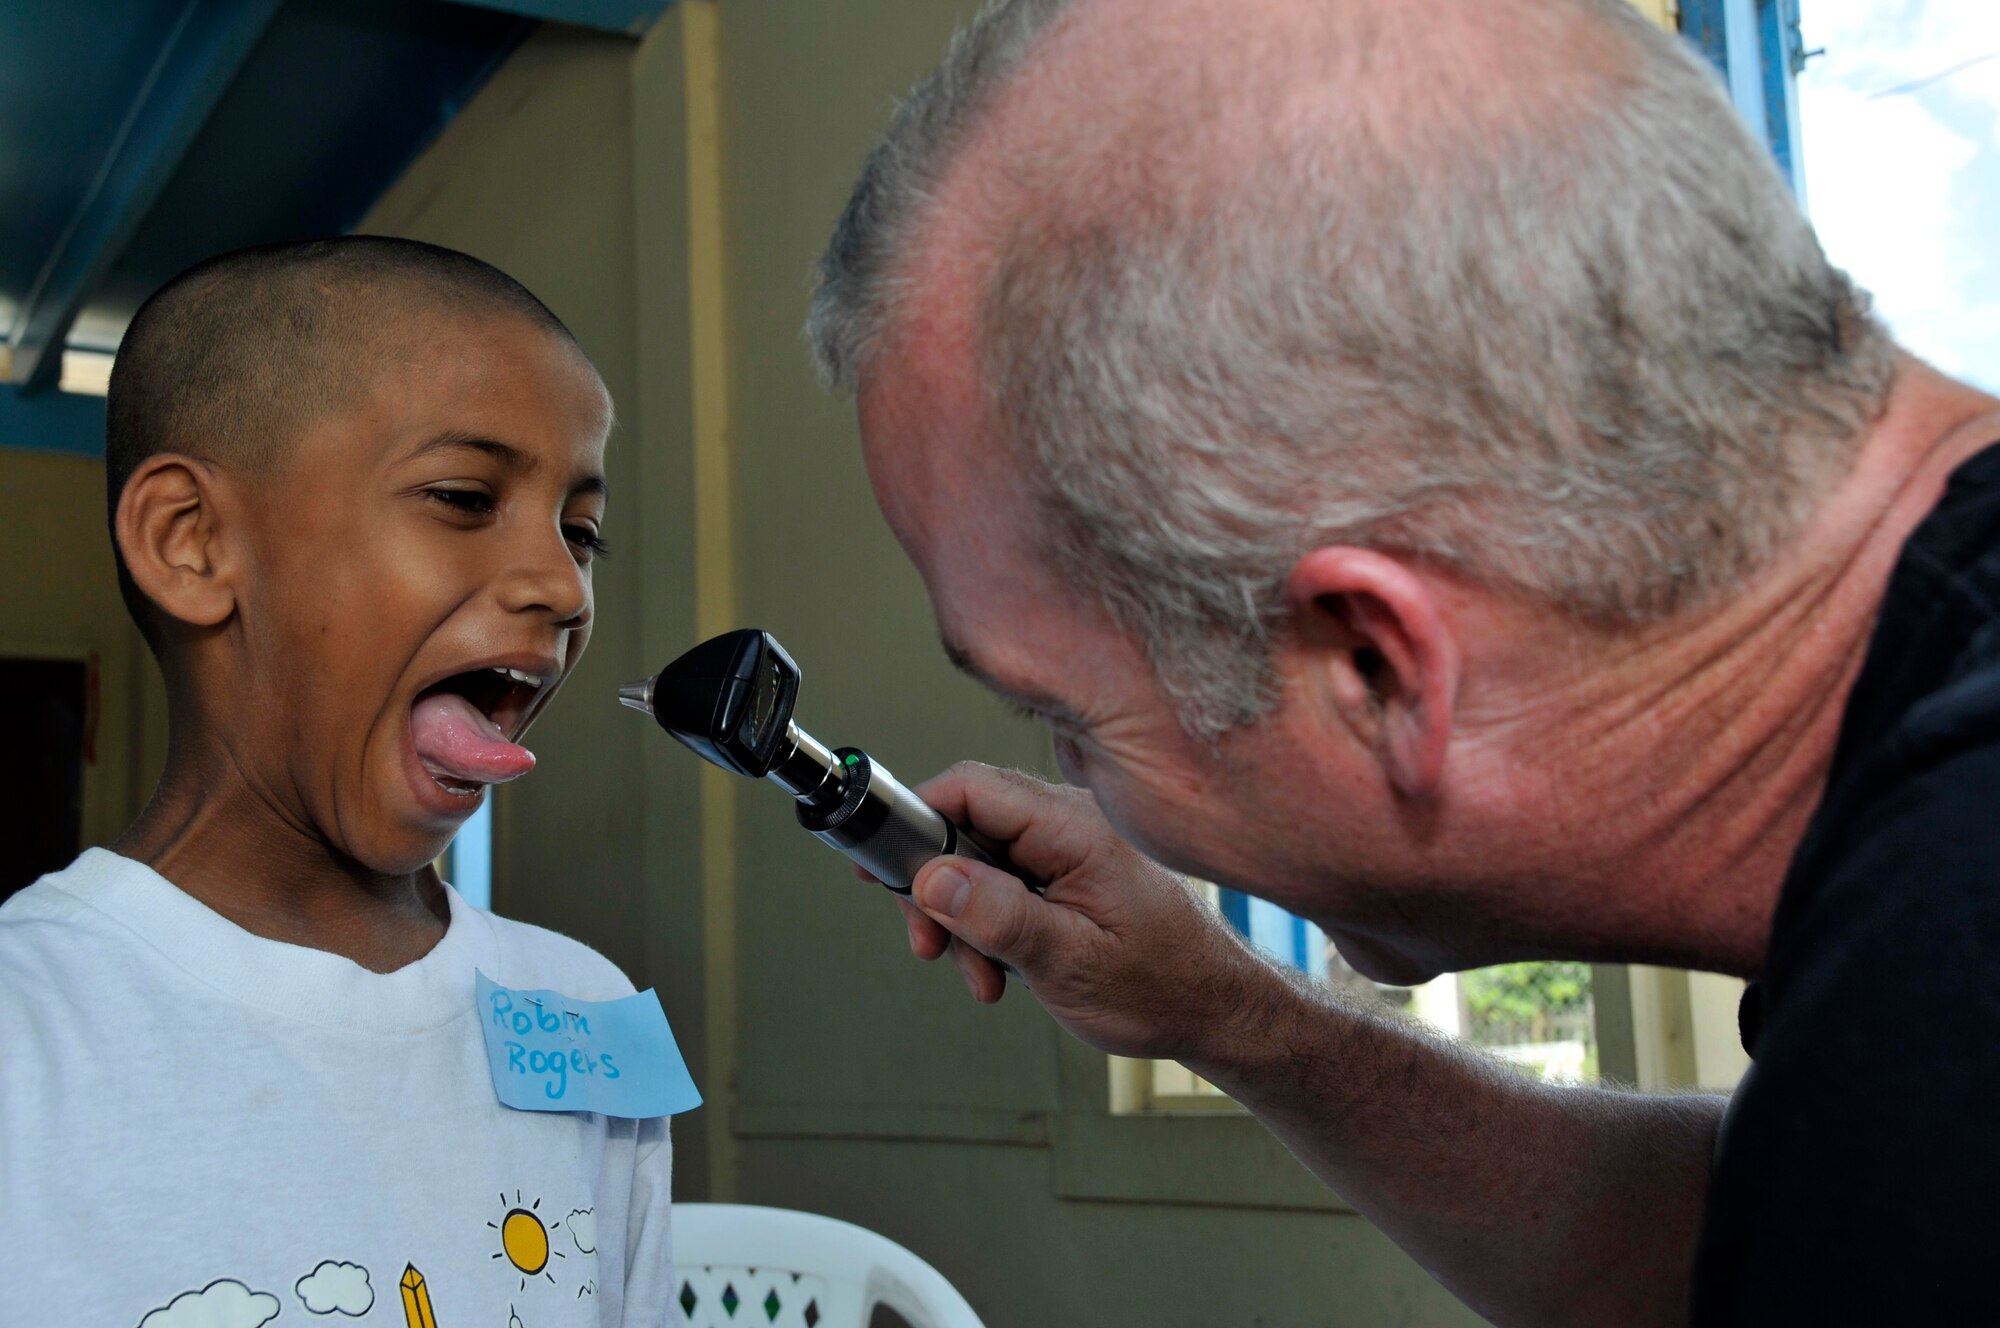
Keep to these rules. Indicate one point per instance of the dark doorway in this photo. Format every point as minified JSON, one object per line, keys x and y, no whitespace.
{"x":41,"y":767}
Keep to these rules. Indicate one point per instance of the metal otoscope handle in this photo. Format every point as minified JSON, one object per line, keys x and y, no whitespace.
{"x":887,"y":829}
{"x":730,"y":701}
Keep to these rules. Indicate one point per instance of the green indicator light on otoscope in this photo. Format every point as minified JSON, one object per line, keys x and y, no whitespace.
{"x":854,"y":760}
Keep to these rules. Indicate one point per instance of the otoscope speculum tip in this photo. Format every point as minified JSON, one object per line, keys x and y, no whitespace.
{"x":638,"y":695}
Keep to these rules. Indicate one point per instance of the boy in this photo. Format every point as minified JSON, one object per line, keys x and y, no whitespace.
{"x":356,"y":487}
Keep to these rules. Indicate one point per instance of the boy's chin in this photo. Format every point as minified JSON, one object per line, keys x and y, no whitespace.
{"x":402,"y":838}
{"x":424,"y":815}
{"x":391,"y":853}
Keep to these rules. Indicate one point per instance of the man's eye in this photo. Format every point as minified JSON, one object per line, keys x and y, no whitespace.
{"x":1063,"y":728}
{"x":1027,"y":712}
{"x":476,"y":501}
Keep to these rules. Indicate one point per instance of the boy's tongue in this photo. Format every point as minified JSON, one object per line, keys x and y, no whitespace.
{"x":454,"y":740}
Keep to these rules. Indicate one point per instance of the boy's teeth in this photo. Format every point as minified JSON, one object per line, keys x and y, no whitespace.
{"x":519,"y":676}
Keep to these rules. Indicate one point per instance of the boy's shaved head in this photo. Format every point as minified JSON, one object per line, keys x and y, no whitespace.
{"x":357,"y":491}
{"x":232,"y":360}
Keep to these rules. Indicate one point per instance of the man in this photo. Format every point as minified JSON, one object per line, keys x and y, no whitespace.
{"x":1420,"y":464}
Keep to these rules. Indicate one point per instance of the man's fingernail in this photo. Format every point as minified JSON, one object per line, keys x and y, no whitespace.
{"x":947,"y":891}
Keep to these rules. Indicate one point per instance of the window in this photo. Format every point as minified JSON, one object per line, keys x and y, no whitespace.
{"x":1294,"y":940}
{"x":468,"y":861}
{"x":1538,"y":1017}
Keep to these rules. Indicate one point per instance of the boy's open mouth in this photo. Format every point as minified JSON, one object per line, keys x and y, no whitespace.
{"x":461,"y":727}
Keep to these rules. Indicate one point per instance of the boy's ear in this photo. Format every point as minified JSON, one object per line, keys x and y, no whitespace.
{"x":1372,"y":638}
{"x":170,"y":534}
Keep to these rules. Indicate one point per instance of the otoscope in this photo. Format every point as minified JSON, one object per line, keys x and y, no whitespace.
{"x":730,"y":699}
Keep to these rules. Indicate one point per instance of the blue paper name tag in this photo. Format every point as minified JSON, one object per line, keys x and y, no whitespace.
{"x":551,"y":1053}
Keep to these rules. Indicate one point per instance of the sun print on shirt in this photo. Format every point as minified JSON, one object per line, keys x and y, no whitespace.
{"x":524,"y":1240}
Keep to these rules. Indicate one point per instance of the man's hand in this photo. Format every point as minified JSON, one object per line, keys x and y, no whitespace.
{"x":1094,"y":950}
{"x":1439,"y":1146}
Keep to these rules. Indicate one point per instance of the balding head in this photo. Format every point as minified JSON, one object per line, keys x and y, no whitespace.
{"x":232,"y":360}
{"x":1501,"y":285}
{"x":1141,"y":109}
{"x":1073,"y":113}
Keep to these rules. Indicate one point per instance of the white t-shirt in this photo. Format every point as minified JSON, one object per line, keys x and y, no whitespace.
{"x":201,"y":1128}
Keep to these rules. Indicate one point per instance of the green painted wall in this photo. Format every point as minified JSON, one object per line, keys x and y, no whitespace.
{"x":842,"y":1076}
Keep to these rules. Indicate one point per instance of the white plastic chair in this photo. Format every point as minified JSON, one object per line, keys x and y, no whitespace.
{"x":742,"y":1266}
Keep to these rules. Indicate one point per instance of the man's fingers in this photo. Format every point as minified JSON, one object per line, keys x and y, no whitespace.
{"x":991,"y":911}
{"x":1000,"y":804}
{"x":927,"y":939}
{"x":983,"y":977}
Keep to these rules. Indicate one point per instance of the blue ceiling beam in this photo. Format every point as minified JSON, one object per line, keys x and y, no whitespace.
{"x":209,"y":43}
{"x":52,"y":422}
{"x":627,"y":16}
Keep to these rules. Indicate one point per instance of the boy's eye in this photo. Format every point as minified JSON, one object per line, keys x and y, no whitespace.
{"x":587,"y":539}
{"x":476,"y":501}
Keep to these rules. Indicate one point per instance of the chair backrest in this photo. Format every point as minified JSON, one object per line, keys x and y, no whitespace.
{"x":744,"y":1265}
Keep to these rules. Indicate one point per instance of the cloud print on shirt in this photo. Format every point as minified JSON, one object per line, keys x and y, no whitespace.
{"x":223,"y":1303}
{"x":582,"y":1224}
{"x":336,"y":1288}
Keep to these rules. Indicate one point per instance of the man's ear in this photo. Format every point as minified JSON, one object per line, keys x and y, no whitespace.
{"x":1372,"y":635}
{"x":170,"y":534}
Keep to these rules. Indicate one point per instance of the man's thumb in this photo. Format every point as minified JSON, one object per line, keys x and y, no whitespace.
{"x":981,"y":904}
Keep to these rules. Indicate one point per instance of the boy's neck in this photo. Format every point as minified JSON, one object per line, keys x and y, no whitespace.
{"x":217,"y":841}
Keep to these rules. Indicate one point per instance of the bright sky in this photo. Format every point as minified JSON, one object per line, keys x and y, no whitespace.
{"x":1903,"y":181}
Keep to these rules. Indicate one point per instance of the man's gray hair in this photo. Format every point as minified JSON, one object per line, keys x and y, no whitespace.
{"x":1587,"y":350}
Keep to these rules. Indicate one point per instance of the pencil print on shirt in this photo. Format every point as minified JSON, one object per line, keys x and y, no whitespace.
{"x":335,"y":1287}
{"x":417,"y":1312}
{"x":524,"y":1240}
{"x":223,"y":1303}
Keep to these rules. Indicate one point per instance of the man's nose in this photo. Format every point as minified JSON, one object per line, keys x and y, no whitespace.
{"x":549,"y":580}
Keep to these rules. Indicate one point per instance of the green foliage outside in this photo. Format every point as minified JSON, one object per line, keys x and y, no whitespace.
{"x":1526,"y":1002}
{"x":1509,"y":1005}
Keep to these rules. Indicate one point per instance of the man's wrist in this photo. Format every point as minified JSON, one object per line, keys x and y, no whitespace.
{"x":1257,"y":1011}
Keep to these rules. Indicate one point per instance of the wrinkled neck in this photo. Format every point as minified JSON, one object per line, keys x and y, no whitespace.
{"x":1702,"y":747}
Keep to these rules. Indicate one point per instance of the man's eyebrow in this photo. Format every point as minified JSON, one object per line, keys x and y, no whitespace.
{"x":509,"y":456}
{"x":1040,"y":702}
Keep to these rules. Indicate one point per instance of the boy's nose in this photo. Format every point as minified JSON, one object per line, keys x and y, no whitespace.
{"x":550,"y":582}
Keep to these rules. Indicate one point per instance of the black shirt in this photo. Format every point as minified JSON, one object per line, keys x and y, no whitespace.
{"x":1858,"y":1177}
